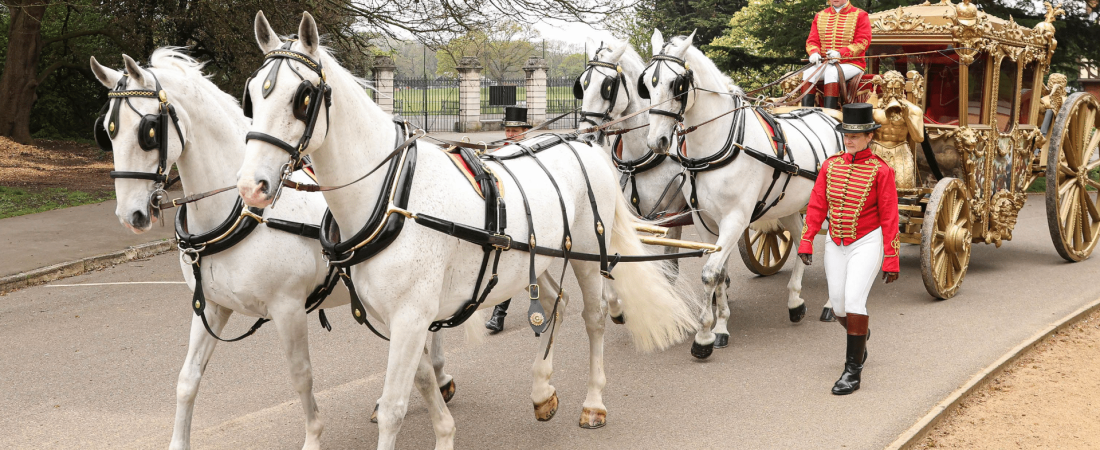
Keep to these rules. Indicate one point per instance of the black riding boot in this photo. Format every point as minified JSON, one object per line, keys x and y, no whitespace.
{"x":496,"y":323}
{"x":832,"y":102}
{"x":854,"y":358}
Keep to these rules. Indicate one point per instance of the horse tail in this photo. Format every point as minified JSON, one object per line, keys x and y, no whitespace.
{"x":474,"y":328}
{"x":658,"y":313}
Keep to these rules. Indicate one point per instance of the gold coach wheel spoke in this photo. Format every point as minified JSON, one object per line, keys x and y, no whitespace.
{"x":945,"y":239}
{"x":765,"y":252}
{"x":1073,"y":207}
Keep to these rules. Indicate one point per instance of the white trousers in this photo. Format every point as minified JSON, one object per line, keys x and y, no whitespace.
{"x":851,"y":270}
{"x":829,"y":72}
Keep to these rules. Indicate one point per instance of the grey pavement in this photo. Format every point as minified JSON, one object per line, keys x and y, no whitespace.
{"x":53,"y":237}
{"x":95,"y":366}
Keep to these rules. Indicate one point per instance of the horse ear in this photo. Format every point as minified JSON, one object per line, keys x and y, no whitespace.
{"x":133,"y":69}
{"x":107,"y":77}
{"x":592,"y":46}
{"x":265,"y":36}
{"x":308,"y":35}
{"x":691,"y":37}
{"x":657,"y":41}
{"x":617,"y":52}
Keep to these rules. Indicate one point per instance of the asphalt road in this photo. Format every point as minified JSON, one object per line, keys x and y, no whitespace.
{"x":95,"y":366}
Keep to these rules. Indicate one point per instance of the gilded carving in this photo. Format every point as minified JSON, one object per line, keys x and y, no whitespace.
{"x":917,"y":87}
{"x":902,"y":122}
{"x":1055,"y":90}
{"x":1004,"y":209}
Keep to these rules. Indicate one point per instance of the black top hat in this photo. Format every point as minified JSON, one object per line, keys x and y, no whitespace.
{"x":515,"y":116}
{"x":858,"y":118}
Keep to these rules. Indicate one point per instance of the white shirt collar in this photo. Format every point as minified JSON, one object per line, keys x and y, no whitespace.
{"x":840,"y":8}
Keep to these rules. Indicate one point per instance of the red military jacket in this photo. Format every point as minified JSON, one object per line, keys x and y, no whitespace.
{"x":848,"y":32}
{"x":859,"y":193}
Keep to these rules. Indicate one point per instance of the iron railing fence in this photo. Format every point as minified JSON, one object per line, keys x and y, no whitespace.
{"x":559,"y":100}
{"x":428,"y":103}
{"x":496,"y":94}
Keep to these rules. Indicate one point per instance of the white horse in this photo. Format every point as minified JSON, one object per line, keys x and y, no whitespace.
{"x":213,"y":128}
{"x":650,"y":180}
{"x":728,"y":196}
{"x":423,"y":275}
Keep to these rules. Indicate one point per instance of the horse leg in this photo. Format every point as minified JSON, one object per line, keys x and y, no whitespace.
{"x":444,"y":380}
{"x":199,"y":349}
{"x":594,"y":413}
{"x":294,"y":332}
{"x":674,"y":233}
{"x":543,"y":394}
{"x":614,"y":304}
{"x":408,"y":336}
{"x":722,"y":312}
{"x":796,"y":307}
{"x":442,"y":422}
{"x":714,"y":274}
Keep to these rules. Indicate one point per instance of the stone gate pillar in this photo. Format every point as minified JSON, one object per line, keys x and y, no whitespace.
{"x":469,"y":95}
{"x":535,"y":69}
{"x":383,"y":82}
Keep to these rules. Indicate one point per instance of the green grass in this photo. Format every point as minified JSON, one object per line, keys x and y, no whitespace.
{"x":412,"y":100}
{"x":17,"y":202}
{"x":1040,"y":184}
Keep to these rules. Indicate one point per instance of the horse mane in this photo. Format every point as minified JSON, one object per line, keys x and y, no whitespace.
{"x":632,"y":62}
{"x":172,"y":58}
{"x":706,"y":70}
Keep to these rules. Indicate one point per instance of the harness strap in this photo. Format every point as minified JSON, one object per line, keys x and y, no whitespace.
{"x":532,"y":287}
{"x":357,"y":310}
{"x":199,"y":306}
{"x":605,"y":269}
{"x":495,"y":220}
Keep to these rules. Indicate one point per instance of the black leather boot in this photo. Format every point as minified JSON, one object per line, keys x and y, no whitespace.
{"x":853,"y":365}
{"x":496,"y":322}
{"x":832,"y":102}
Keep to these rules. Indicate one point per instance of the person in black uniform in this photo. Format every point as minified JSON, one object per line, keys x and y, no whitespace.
{"x":515,"y":123}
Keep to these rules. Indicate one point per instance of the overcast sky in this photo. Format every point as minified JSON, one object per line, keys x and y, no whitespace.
{"x":570,"y":32}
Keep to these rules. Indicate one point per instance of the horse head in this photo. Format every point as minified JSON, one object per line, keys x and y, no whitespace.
{"x":146,"y":133}
{"x":288,"y":99}
{"x":668,"y":81}
{"x":603,"y":88}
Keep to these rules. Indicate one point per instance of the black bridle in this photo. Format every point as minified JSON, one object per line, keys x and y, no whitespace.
{"x":151,"y":133}
{"x":609,"y":88}
{"x":681,"y":85}
{"x":305,"y":103}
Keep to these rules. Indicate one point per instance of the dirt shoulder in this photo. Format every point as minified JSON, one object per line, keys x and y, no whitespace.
{"x":1049,"y":398}
{"x":54,"y":164}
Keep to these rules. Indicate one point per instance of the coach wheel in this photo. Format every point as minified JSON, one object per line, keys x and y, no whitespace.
{"x":945,"y":239}
{"x":765,"y":252}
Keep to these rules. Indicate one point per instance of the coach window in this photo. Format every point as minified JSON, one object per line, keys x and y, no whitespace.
{"x":1006,"y":94}
{"x":942,"y":94}
{"x":975,"y":92}
{"x":1027,"y":93}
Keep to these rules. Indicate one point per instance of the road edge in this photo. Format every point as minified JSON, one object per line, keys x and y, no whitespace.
{"x":55,"y":272}
{"x":920,"y":430}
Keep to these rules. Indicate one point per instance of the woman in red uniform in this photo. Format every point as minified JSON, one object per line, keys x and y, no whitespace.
{"x":857,"y":191}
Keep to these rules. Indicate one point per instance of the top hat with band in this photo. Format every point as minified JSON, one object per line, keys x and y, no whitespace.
{"x":515,"y":116}
{"x":858,"y":118}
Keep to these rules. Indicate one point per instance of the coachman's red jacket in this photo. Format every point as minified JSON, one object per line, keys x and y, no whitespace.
{"x":859,"y":193}
{"x":847,"y":31}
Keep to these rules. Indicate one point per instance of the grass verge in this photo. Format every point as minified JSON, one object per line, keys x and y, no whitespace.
{"x":17,"y":202}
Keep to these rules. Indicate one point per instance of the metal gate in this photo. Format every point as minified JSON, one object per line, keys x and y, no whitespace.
{"x":428,"y":103}
{"x":559,"y":100}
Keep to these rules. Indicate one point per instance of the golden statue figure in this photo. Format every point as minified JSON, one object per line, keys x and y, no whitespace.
{"x":902,"y":122}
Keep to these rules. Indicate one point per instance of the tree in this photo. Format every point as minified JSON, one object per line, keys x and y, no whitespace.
{"x":707,"y":18}
{"x":501,"y":49}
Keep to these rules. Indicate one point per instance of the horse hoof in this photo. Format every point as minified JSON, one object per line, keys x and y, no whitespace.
{"x":546,"y":410}
{"x":721,"y":340}
{"x":448,"y":391}
{"x":827,"y":315}
{"x":619,"y":319}
{"x":374,"y":415}
{"x":592,"y":418}
{"x":797,"y":313}
{"x":701,"y":351}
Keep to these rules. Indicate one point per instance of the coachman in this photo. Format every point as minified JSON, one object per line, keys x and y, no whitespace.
{"x":841,"y":32}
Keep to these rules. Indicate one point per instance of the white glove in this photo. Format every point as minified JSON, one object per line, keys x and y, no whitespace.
{"x":815,"y":58}
{"x":833,"y":54}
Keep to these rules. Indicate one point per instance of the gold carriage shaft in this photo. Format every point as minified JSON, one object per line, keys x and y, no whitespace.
{"x":968,"y":88}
